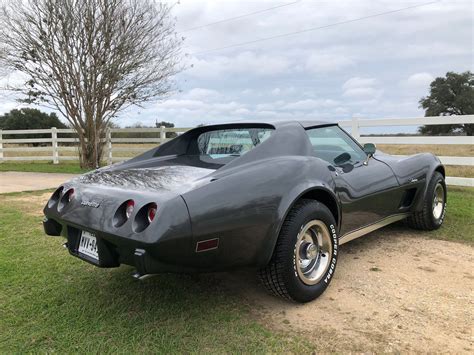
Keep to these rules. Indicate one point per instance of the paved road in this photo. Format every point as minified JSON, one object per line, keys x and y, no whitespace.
{"x":13,"y":181}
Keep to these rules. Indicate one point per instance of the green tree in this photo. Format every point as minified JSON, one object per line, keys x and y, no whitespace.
{"x":167,"y":125}
{"x":90,"y":59}
{"x":29,"y":118}
{"x":450,"y":95}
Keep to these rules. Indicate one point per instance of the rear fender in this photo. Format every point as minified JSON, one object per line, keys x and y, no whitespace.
{"x":324,"y":183}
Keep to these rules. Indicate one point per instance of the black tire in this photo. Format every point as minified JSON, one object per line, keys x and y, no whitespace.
{"x":425,"y":219}
{"x":281,"y":276}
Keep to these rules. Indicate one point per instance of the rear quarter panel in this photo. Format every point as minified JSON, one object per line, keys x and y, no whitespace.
{"x":244,"y":207}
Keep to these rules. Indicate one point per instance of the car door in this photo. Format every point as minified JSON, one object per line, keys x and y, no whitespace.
{"x":367,"y":188}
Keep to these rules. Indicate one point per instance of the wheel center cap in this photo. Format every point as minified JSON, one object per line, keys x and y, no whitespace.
{"x":311,"y":251}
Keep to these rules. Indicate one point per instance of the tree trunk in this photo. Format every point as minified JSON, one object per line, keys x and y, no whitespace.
{"x":92,"y":148}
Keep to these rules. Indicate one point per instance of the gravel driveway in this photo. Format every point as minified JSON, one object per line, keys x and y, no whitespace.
{"x":393,"y":291}
{"x":13,"y":181}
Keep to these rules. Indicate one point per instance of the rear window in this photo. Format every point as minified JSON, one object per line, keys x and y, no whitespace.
{"x":231,"y":142}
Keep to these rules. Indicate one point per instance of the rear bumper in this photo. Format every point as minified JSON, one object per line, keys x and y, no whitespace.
{"x":148,"y":258}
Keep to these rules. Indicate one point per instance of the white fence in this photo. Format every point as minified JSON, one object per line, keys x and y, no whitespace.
{"x":355,"y":124}
{"x":54,"y":145}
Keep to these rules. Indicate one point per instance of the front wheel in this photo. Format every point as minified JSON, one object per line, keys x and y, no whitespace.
{"x":305,"y":256}
{"x":432,"y":214}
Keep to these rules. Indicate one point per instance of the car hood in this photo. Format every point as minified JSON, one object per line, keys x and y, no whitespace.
{"x":174,"y":178}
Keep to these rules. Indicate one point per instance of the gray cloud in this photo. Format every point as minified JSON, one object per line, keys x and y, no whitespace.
{"x":378,"y":67}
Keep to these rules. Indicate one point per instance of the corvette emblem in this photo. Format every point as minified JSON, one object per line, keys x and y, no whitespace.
{"x":92,"y":204}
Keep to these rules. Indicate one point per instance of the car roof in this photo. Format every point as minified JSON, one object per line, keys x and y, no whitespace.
{"x":277,"y":123}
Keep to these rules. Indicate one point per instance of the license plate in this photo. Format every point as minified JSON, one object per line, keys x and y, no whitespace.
{"x":88,"y":245}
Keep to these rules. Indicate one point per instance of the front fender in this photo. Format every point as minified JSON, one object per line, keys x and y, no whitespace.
{"x":412,"y":169}
{"x":434,"y":166}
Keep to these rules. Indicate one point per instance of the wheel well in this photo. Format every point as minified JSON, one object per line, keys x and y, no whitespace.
{"x":440,"y":169}
{"x":326,"y":199}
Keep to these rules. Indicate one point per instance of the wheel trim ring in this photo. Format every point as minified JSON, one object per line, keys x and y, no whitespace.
{"x":438,"y":201}
{"x":310,"y":273}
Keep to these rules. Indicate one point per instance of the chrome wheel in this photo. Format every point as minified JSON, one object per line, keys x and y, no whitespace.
{"x":438,"y":201}
{"x":313,"y":252}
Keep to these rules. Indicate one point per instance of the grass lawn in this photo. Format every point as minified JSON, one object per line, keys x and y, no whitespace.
{"x":52,"y":302}
{"x":459,"y":223}
{"x":43,"y":167}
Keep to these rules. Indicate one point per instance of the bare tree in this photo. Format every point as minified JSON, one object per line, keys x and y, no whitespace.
{"x":90,"y":59}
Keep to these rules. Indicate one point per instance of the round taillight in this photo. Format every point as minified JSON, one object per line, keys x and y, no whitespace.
{"x":70,"y":195}
{"x":65,"y":199}
{"x":129,"y":208}
{"x":55,"y":198}
{"x":151,"y":212}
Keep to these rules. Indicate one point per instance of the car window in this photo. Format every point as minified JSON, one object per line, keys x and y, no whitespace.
{"x":333,"y":145}
{"x":231,"y":142}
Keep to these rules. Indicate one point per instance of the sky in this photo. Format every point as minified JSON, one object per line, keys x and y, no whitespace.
{"x":335,"y":68}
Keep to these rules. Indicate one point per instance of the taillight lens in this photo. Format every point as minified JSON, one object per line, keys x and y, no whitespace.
{"x":67,"y":197}
{"x":70,"y":195}
{"x":151,"y":212}
{"x":55,"y":198}
{"x":129,"y":208}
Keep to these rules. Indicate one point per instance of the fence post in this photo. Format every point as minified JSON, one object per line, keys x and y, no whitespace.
{"x":54,"y":143}
{"x":162,"y":134}
{"x":1,"y":147}
{"x":108,"y":142}
{"x":355,"y":128}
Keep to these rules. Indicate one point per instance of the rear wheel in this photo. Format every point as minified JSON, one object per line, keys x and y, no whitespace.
{"x":305,"y":255}
{"x":432,"y":215}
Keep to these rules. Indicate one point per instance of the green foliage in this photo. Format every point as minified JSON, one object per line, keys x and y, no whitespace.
{"x":450,"y":95}
{"x":459,"y":222}
{"x":167,"y":125}
{"x":29,"y":118}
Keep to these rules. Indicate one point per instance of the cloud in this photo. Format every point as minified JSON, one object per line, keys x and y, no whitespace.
{"x":276,"y":91}
{"x":377,"y":67}
{"x":310,"y":104}
{"x":361,"y":89}
{"x":327,"y":63}
{"x":201,"y":94}
{"x":357,"y":82}
{"x":419,"y":80}
{"x":247,"y":63}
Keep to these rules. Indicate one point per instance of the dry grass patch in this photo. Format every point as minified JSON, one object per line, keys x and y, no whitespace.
{"x":462,"y":150}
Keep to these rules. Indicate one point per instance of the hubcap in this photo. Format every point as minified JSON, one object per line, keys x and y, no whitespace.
{"x":312,"y":252}
{"x":438,"y":201}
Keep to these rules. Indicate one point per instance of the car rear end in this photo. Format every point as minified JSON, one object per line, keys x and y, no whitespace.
{"x":108,"y":224}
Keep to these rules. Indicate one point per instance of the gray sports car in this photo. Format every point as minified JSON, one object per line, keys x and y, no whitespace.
{"x":278,"y":197}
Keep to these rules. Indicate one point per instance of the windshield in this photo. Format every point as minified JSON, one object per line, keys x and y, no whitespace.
{"x":230,"y":142}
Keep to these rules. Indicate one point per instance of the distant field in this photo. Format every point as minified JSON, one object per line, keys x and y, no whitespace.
{"x":462,"y":150}
{"x":441,"y":150}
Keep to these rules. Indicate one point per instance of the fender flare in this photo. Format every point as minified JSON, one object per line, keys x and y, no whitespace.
{"x":287,"y":204}
{"x":436,"y":167}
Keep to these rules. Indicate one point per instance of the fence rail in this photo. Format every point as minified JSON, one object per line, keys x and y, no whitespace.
{"x":52,"y":148}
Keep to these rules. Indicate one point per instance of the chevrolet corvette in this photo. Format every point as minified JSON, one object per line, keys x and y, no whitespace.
{"x":278,"y":197}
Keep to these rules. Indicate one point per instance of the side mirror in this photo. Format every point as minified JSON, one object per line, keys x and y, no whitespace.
{"x":369,"y":149}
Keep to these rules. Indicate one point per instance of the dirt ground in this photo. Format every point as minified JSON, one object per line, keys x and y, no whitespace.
{"x":392,"y":292}
{"x":15,"y":181}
